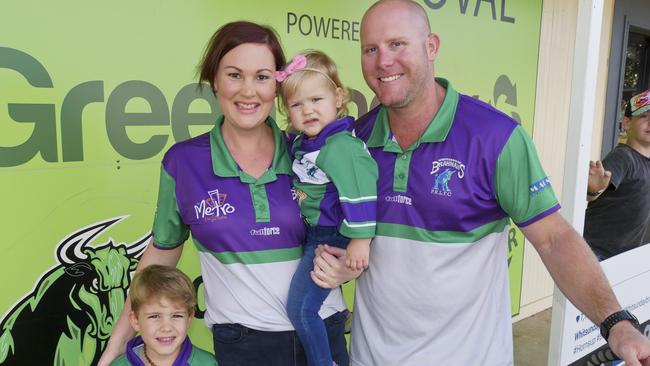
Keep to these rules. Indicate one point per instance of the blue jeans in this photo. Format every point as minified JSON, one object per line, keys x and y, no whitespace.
{"x":306,"y":298}
{"x":237,"y":345}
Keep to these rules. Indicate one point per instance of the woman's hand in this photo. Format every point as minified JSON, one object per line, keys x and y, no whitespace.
{"x":330,"y":270}
{"x":113,"y":350}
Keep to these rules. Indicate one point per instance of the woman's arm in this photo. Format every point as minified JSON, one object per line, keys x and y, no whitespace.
{"x":122,"y":331}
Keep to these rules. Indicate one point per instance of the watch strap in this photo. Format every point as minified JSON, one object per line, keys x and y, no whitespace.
{"x":614,"y":318}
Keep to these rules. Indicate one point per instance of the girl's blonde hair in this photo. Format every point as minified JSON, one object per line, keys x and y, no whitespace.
{"x":318,"y":63}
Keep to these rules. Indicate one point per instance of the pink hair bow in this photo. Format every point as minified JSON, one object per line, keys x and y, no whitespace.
{"x":297,"y":63}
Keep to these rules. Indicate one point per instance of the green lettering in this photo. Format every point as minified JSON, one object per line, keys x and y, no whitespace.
{"x":43,"y":138}
{"x":359,"y":100}
{"x":504,"y":17}
{"x":29,"y":67}
{"x":71,"y":116}
{"x":435,"y":4}
{"x":181,"y":116}
{"x":493,"y":7}
{"x":117,"y":119}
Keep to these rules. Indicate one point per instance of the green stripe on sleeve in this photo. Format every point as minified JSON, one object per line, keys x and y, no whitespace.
{"x":169,"y":230}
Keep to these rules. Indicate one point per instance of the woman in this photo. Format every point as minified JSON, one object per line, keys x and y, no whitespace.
{"x":231,"y":189}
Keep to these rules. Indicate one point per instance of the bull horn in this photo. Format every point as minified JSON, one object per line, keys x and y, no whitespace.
{"x":136,"y":249}
{"x":70,"y":249}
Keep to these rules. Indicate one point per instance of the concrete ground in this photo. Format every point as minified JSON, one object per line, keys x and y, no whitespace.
{"x":531,"y":339}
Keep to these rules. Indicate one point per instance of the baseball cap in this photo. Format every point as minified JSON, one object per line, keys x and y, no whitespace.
{"x":638,"y":104}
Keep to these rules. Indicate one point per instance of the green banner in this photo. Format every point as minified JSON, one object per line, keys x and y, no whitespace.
{"x":93,"y":93}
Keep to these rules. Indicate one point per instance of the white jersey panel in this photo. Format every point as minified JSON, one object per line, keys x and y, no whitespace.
{"x":253,"y":295}
{"x":412,"y":307}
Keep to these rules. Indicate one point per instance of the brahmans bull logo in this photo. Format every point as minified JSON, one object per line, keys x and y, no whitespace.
{"x":442,"y":178}
{"x":68,"y":317}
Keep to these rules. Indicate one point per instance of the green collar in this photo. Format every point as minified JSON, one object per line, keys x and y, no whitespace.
{"x":436,"y":131}
{"x":223,"y":165}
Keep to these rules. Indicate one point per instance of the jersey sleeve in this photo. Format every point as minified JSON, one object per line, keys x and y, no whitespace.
{"x":618,"y":163}
{"x":201,"y":357}
{"x":352,"y":170}
{"x":522,"y":188}
{"x":169,"y":230}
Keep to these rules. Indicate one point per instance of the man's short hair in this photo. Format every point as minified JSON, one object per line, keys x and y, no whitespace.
{"x":156,"y":281}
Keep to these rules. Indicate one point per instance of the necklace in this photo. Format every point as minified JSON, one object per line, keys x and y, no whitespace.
{"x":147,"y":356}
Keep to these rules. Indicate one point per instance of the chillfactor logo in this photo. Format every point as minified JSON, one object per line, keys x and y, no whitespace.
{"x":74,"y":305}
{"x":265,"y":231}
{"x":214,"y":207}
{"x":443,"y":171}
{"x":404,"y":200}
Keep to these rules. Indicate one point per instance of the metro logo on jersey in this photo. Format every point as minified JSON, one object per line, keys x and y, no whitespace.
{"x":214,"y":207}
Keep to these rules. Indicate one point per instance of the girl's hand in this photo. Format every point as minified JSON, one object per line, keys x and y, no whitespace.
{"x":357,"y":254}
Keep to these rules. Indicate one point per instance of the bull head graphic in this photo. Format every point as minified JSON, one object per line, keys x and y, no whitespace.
{"x":68,"y":317}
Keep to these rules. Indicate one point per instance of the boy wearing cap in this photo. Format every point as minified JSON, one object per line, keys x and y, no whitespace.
{"x":618,"y":212}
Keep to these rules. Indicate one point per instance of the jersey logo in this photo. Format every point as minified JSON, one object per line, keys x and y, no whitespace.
{"x":401,"y":199}
{"x":539,"y":186}
{"x":265,"y":231}
{"x":300,"y":195}
{"x":452,"y":167}
{"x":214,"y":207}
{"x":307,"y":171}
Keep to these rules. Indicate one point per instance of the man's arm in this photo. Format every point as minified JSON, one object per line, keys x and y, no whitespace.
{"x":578,"y":275}
{"x":330,"y":270}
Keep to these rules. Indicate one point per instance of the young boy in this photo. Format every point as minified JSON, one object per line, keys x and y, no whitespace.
{"x":162,"y":307}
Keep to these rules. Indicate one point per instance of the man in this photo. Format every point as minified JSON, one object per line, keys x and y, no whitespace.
{"x":618,"y":214}
{"x":451,"y":171}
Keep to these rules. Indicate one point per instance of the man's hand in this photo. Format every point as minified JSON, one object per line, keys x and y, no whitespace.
{"x":330,"y":270}
{"x":598,"y":177}
{"x":629,"y":345}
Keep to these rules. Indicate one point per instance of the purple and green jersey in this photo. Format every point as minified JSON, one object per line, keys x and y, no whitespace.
{"x":336,"y":180}
{"x":437,"y":290}
{"x":249,"y":232}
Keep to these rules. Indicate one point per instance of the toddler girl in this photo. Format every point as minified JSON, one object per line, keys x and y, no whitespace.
{"x":335,"y":180}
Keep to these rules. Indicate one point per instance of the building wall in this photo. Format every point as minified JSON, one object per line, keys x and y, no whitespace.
{"x":555,"y":71}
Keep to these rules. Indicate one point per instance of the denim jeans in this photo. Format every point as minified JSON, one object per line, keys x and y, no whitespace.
{"x":306,"y":298}
{"x":237,"y":345}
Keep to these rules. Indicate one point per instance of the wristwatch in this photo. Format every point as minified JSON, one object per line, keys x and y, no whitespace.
{"x":616,"y":317}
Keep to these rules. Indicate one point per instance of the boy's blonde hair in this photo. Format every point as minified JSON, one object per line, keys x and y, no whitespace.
{"x":318,"y":63}
{"x":157,"y":281}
